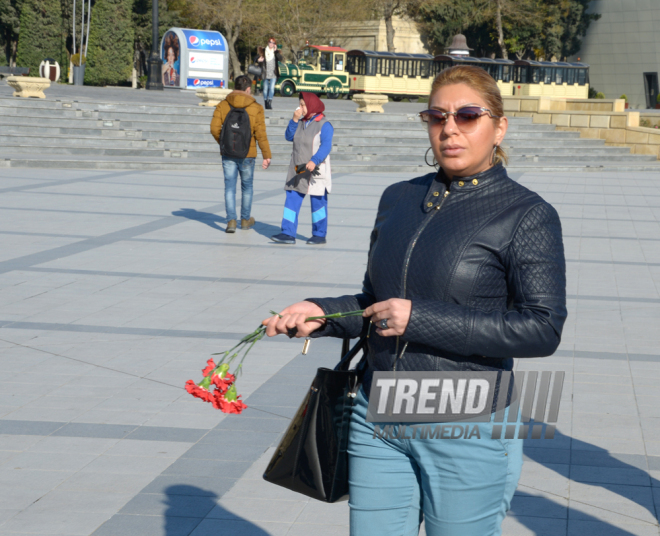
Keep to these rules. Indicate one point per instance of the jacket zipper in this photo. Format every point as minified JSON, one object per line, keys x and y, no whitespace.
{"x":406,"y":264}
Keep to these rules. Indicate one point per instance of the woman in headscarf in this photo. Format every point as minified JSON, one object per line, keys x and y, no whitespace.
{"x":309,"y":170}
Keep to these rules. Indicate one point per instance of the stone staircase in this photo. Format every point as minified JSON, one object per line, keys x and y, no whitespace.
{"x":94,"y":135}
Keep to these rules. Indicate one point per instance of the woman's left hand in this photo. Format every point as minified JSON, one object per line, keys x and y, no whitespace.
{"x":395,"y":310}
{"x":311,"y":166}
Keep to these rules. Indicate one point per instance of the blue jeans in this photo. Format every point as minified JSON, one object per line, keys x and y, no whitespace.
{"x":292,"y":206}
{"x":460,"y":487}
{"x":268,"y":87}
{"x":232,"y":168}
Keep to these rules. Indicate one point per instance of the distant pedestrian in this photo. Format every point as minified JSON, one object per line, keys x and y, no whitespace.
{"x":268,"y":58}
{"x":238,"y":123}
{"x":309,"y":170}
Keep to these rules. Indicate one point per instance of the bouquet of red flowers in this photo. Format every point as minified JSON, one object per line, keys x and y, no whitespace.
{"x":218,"y":386}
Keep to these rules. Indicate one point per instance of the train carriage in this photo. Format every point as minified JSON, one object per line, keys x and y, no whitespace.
{"x":395,"y":74}
{"x":501,"y":70}
{"x":319,"y":69}
{"x":551,"y":79}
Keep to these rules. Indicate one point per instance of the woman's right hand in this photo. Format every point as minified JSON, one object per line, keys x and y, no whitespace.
{"x":297,"y":114}
{"x":260,"y":59}
{"x":294,"y":317}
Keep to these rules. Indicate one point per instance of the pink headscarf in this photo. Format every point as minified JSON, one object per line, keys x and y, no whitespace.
{"x":313,"y":103}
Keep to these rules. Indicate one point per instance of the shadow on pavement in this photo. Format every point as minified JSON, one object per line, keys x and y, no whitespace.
{"x":208,"y":218}
{"x":212,"y":220}
{"x":187,"y":511}
{"x":588,"y":457}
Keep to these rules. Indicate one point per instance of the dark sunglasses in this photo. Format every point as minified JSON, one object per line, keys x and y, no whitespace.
{"x":466,"y":118}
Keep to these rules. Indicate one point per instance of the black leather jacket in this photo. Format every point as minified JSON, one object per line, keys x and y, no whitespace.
{"x":483,"y":264}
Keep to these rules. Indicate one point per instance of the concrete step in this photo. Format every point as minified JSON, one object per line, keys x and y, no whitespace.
{"x":33,"y":140}
{"x":72,"y":132}
{"x":64,"y":162}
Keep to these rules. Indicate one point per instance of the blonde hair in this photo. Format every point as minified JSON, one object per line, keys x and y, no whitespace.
{"x":481,"y":82}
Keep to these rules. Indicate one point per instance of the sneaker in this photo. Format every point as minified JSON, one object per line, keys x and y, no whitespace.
{"x":231,"y":226}
{"x":283,"y":239}
{"x":247,"y":224}
{"x":316,"y":240}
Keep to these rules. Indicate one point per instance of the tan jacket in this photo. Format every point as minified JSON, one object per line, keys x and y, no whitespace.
{"x":255,"y":111}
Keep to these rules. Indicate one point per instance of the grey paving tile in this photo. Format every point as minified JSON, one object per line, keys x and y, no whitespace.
{"x":53,"y":461}
{"x":107,"y":482}
{"x":167,"y":505}
{"x":232,"y":527}
{"x":533,"y":526}
{"x":82,"y":445}
{"x":580,"y":527}
{"x":136,"y":525}
{"x":95,"y":430}
{"x":157,"y":433}
{"x":81,"y":501}
{"x":203,"y":467}
{"x":55,"y":522}
{"x":128,"y":465}
{"x":18,"y":427}
{"x":199,"y":486}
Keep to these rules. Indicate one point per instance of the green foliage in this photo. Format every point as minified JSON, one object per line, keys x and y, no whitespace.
{"x":657,"y":98}
{"x":110,"y":53}
{"x":600,"y":95}
{"x":645,"y":123}
{"x":624,"y":97}
{"x":42,"y":34}
{"x":10,"y":20}
{"x":531,"y":27}
{"x":78,"y":59}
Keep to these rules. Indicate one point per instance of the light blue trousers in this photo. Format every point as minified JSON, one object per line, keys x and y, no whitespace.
{"x":460,"y":487}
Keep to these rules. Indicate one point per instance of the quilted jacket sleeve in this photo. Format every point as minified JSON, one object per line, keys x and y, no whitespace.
{"x":536,"y":274}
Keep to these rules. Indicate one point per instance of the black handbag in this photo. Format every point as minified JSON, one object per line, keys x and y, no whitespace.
{"x":312,"y":457}
{"x":254,"y":69}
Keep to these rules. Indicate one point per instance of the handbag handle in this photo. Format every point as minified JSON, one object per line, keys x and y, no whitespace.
{"x":348,"y":355}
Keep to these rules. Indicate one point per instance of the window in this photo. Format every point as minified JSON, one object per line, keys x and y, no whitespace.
{"x":570,"y":76}
{"x":581,"y":76}
{"x":536,"y":75}
{"x":401,"y":66}
{"x":424,"y":68}
{"x":548,"y":78}
{"x":339,"y":62}
{"x":326,"y":61}
{"x":559,"y":75}
{"x":506,"y":73}
{"x":371,"y":67}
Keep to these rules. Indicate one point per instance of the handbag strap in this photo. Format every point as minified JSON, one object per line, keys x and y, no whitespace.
{"x":348,"y":355}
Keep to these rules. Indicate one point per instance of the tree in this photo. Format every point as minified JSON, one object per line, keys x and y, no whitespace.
{"x":168,"y":17}
{"x":42,"y":34}
{"x":226,"y":16}
{"x":10,"y":14}
{"x":294,"y":22}
{"x":110,"y":53}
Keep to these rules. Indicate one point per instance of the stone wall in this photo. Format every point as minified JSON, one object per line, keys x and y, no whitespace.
{"x":371,"y":35}
{"x":592,"y":118}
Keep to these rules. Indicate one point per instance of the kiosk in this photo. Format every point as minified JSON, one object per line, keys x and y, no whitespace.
{"x":193,"y":59}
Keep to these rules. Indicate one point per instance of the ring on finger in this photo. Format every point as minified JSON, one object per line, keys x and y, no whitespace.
{"x":383,"y":323}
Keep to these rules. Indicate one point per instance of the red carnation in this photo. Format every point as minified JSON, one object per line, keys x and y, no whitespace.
{"x":223,"y":383}
{"x":199,"y":392}
{"x":228,"y":402}
{"x":210,"y":366}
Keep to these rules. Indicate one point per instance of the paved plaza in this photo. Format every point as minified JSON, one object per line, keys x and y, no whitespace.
{"x":116,"y":286}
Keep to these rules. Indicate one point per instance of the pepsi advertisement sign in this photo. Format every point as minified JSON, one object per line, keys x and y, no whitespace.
{"x":204,"y":82}
{"x":202,"y":40}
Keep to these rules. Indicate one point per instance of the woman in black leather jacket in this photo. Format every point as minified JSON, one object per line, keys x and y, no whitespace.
{"x":466,"y":271}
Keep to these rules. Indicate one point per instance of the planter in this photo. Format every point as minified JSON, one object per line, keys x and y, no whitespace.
{"x":78,"y":75}
{"x":212,"y":96}
{"x":28,"y":86}
{"x":626,"y":106}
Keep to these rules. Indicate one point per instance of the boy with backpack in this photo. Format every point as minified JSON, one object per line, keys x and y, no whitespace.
{"x":238,"y":123}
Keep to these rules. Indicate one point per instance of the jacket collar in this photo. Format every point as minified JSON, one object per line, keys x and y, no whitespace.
{"x":437,"y":188}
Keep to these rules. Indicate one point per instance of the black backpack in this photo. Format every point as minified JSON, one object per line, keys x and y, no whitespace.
{"x":236,"y":133}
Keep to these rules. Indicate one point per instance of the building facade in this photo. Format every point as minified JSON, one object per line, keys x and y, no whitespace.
{"x":622,"y":49}
{"x":371,"y":35}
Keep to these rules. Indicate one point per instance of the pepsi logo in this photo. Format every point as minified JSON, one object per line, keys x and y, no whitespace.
{"x":192,"y":59}
{"x":193,"y":40}
{"x":196,"y":82}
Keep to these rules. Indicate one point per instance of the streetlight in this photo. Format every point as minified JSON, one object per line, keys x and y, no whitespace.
{"x":154,"y":81}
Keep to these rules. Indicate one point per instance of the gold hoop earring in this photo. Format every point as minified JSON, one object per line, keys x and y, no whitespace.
{"x":435,"y":163}
{"x":492,"y":157}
